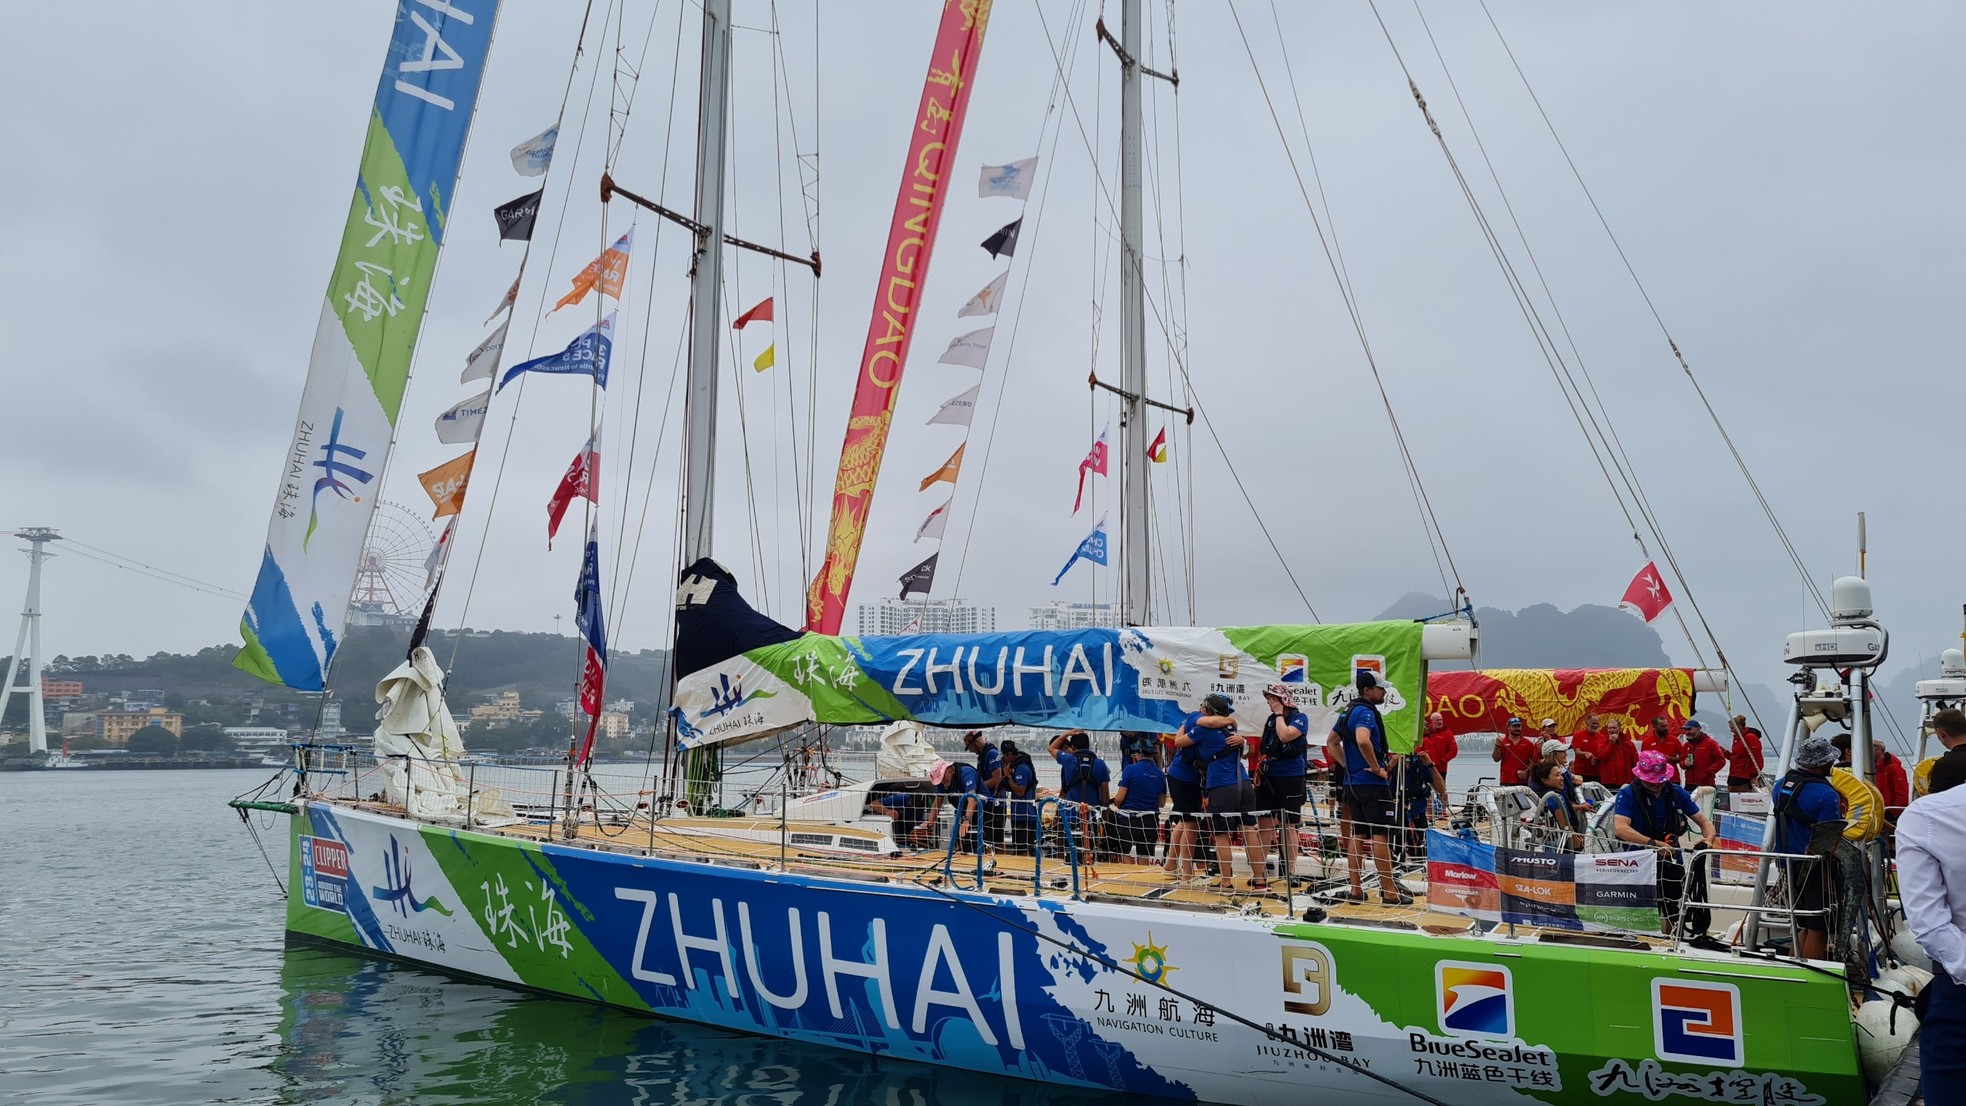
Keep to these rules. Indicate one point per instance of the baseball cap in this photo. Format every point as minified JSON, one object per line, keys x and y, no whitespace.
{"x":1366,"y":680}
{"x":1549,"y":721}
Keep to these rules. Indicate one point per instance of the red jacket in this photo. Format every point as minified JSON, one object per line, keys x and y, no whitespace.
{"x":1744,"y":760}
{"x":1707,"y":763}
{"x":1892,"y":784}
{"x":1616,"y":761}
{"x":1441,"y":748}
{"x":1583,"y":748}
{"x":1518,"y":753}
{"x":1670,"y":747}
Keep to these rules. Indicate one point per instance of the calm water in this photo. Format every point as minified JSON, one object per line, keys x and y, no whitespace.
{"x":142,"y":961}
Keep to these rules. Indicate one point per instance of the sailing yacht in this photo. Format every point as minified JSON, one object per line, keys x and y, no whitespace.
{"x":817,"y":921}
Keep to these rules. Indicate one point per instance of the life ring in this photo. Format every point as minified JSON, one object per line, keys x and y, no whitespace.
{"x":1921,"y":777}
{"x":1863,"y":805}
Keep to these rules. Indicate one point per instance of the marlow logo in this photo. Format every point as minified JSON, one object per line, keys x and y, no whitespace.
{"x":1475,"y":1000}
{"x":1696,"y":1023}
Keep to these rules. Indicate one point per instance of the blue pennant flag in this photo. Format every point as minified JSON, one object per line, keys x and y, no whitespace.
{"x":1093,"y":549}
{"x":586,"y":355}
{"x":587,"y":617}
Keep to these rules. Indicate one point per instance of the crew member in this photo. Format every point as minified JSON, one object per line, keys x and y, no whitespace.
{"x":1084,"y":784}
{"x":1652,"y":812}
{"x":1421,"y":782}
{"x":1515,"y":751}
{"x":1744,"y":757}
{"x":1440,"y":743}
{"x":1949,"y":726}
{"x":1704,"y":760}
{"x":1804,"y":798}
{"x":989,"y":768}
{"x":1280,"y":796}
{"x":1617,"y":756}
{"x":1369,"y":792}
{"x":1584,"y":746}
{"x":1226,"y":791}
{"x":1184,"y":784}
{"x":1932,"y":886}
{"x":1020,"y":794}
{"x":1888,"y":773}
{"x":962,"y":782}
{"x":1559,"y":807}
{"x":1137,"y":800}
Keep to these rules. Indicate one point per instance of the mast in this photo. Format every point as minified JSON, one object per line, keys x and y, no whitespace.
{"x":1135,"y":582}
{"x":706,"y":285}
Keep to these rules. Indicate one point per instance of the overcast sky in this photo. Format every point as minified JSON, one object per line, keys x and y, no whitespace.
{"x":1786,"y":179}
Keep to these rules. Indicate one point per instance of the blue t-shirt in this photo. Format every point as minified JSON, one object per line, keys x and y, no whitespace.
{"x":1651,"y":814}
{"x":1074,"y":790}
{"x":1185,"y":765}
{"x":988,"y":762}
{"x":1221,"y":762}
{"x":1286,"y":758}
{"x":1813,"y":804}
{"x":1025,"y":808}
{"x":962,"y":780}
{"x":1362,"y":713}
{"x":1145,"y":784}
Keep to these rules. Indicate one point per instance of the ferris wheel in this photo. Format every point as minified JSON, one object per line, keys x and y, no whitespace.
{"x":392,"y":573}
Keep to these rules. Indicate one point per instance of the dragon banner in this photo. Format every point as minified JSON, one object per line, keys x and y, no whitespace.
{"x":1482,"y":702}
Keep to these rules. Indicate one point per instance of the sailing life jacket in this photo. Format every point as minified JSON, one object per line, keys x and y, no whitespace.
{"x":1646,"y":809}
{"x":1276,"y":749}
{"x":1788,"y":805}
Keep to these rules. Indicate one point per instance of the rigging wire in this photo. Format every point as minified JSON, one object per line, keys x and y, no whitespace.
{"x":131,"y":564}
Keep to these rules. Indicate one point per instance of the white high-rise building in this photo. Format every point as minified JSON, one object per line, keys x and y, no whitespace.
{"x":926,"y":616}
{"x":1074,"y":616}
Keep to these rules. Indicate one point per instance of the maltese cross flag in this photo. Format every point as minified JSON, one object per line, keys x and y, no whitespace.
{"x":1647,"y":596}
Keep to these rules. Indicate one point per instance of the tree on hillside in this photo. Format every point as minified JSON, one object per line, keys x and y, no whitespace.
{"x":207,"y":738}
{"x":153,"y":741}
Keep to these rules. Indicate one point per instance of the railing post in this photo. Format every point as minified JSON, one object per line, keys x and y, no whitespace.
{"x":471,"y":796}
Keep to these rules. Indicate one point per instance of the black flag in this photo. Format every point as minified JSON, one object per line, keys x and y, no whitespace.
{"x":919,"y":579}
{"x":515,"y":218}
{"x":1004,"y":242}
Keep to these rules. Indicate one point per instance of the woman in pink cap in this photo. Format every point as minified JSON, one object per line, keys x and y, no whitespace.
{"x":1651,"y":812}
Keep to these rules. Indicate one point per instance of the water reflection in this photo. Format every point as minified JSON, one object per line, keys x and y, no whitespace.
{"x":353,"y":1028}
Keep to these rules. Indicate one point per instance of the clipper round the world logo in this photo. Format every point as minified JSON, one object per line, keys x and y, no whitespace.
{"x":1475,"y":1000}
{"x":1696,"y":1023}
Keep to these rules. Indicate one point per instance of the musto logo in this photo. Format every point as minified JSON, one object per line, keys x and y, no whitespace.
{"x":1696,"y":1023}
{"x":1476,"y":1000}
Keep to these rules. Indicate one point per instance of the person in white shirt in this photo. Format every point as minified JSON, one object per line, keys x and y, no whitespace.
{"x":1932,"y":886}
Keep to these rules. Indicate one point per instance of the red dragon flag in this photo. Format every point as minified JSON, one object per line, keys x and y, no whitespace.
{"x":1157,"y":450}
{"x":758,"y":314}
{"x":582,"y":481}
{"x":1647,"y":596}
{"x":1095,"y":462}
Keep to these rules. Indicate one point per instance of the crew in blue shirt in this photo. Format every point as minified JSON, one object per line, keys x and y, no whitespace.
{"x":1184,"y":778}
{"x":989,"y":769}
{"x":1225,"y":780}
{"x":1020,"y":793}
{"x":1651,"y":812}
{"x":1369,"y":792}
{"x":1083,"y":783}
{"x":1136,"y":802}
{"x":1803,"y":799}
{"x":1280,"y":793}
{"x":962,"y":781}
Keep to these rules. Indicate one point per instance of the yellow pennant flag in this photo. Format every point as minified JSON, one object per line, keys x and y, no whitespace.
{"x":605,"y":271}
{"x":947,"y":473}
{"x":445,"y":484}
{"x":766,"y":359}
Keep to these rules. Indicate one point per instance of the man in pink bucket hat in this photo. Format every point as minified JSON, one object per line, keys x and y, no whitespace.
{"x":1651,"y":812}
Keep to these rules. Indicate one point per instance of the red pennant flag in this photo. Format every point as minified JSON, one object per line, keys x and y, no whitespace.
{"x":1647,"y":596}
{"x":582,"y":481}
{"x":1157,"y":451}
{"x":758,"y":314}
{"x":1095,"y":461}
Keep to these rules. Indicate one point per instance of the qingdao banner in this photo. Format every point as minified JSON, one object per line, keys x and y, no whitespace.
{"x":330,"y":475}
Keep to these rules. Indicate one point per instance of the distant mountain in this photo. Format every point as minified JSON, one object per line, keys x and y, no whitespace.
{"x":1541,"y":636}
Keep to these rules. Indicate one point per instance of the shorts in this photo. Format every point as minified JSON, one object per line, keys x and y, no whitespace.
{"x":1186,"y":799}
{"x":1283,"y":798}
{"x":1809,"y":891}
{"x":1136,"y":832}
{"x":1228,"y":807}
{"x":1372,"y":810}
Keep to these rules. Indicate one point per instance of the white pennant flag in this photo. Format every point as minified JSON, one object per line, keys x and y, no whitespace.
{"x":461,"y":423}
{"x":972,"y":349}
{"x":958,"y":411}
{"x":438,"y":554}
{"x":986,"y":301}
{"x":531,"y":157}
{"x":1013,"y":180}
{"x":933,"y":525}
{"x":483,"y":361}
{"x":511,"y":297}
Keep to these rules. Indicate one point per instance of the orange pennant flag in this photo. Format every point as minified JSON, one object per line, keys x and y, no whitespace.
{"x":445,"y":483}
{"x":758,"y":314}
{"x":947,"y":473}
{"x":606,"y":271}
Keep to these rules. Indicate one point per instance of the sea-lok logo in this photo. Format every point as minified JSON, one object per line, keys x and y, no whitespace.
{"x":1475,"y":1000}
{"x":1307,"y":979}
{"x":324,"y":873}
{"x":1696,"y":1023}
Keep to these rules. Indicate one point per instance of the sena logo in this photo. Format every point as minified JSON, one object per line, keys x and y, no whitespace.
{"x":1696,"y":1023}
{"x":1475,"y":1000}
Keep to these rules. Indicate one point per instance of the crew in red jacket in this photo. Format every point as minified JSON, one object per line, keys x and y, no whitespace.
{"x":1515,"y":751}
{"x":1889,"y":773}
{"x":1439,"y":743}
{"x":1744,"y":759}
{"x":1584,"y":745}
{"x":1704,"y":757}
{"x":1617,"y":756}
{"x":1660,"y":740}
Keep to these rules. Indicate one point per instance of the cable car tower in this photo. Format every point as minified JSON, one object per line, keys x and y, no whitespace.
{"x":29,"y":639}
